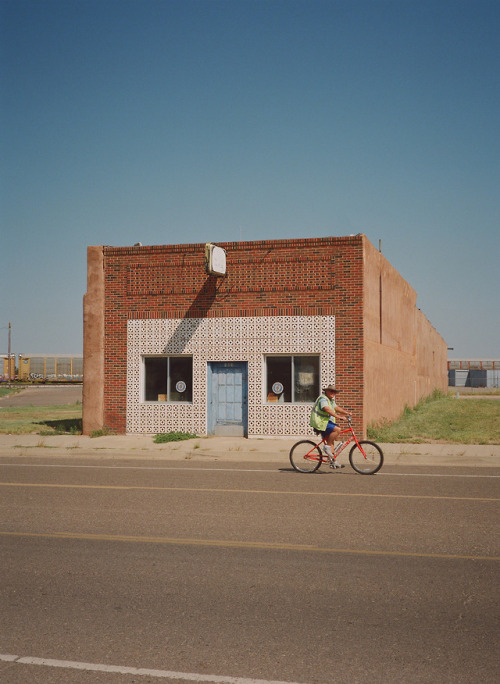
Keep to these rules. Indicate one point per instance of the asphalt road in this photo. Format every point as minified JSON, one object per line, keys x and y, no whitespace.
{"x":243,"y":574}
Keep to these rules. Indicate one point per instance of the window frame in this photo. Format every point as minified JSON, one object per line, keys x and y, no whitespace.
{"x":167,"y":357}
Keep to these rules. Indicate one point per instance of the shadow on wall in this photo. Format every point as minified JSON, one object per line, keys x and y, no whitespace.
{"x":191,"y":320}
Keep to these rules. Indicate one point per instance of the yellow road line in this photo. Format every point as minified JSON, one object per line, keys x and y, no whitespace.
{"x":274,"y":546}
{"x":244,"y":491}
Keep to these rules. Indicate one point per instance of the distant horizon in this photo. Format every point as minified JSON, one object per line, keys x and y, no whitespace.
{"x":237,"y":242}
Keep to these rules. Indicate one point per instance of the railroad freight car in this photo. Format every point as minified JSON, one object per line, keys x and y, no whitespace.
{"x":7,"y":374}
{"x":46,"y":368}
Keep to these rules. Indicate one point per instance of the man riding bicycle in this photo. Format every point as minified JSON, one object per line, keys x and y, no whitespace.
{"x":324,"y":418}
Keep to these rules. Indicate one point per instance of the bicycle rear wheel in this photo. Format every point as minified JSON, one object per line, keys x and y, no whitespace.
{"x":367,"y":458}
{"x":305,"y":456}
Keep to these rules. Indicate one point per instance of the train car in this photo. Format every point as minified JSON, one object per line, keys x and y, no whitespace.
{"x":7,"y":373}
{"x":47,"y":368}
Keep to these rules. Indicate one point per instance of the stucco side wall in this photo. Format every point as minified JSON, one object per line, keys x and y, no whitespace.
{"x":93,"y":343}
{"x":432,"y":358}
{"x":390,"y":383}
{"x":405,"y":358}
{"x":389,"y":305}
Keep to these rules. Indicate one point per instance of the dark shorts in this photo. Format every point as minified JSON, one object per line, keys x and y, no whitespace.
{"x":329,"y":429}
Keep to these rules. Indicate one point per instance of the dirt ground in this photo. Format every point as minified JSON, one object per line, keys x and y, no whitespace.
{"x":474,"y":392}
{"x":44,"y":395}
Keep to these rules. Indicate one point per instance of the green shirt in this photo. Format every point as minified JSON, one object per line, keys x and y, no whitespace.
{"x":320,"y":418}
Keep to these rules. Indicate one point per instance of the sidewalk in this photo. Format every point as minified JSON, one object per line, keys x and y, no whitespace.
{"x":230,"y":449}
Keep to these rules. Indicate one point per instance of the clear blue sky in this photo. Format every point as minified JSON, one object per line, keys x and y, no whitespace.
{"x":178,"y":121}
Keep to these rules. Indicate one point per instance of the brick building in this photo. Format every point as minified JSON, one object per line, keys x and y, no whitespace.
{"x":168,"y":346}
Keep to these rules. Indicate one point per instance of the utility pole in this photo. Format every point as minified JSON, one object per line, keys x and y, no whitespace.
{"x":8,"y":354}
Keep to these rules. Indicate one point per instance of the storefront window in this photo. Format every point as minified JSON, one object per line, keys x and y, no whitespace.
{"x":292,"y":379}
{"x":168,"y":378}
{"x":306,"y":378}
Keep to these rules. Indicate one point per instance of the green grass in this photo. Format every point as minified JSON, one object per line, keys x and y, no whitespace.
{"x":173,"y":437}
{"x":41,"y":420}
{"x":103,"y":432}
{"x":5,"y":391}
{"x":442,"y":418}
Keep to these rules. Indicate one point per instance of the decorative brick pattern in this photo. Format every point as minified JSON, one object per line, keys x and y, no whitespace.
{"x":226,"y":339}
{"x":154,"y":279}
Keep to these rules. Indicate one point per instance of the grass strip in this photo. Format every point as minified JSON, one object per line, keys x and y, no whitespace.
{"x":41,"y":420}
{"x":444,"y":419}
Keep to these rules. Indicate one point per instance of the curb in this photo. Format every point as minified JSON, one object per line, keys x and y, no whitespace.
{"x":229,"y":449}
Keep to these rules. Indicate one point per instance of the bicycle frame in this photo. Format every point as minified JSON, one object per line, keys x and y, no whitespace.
{"x":312,"y":455}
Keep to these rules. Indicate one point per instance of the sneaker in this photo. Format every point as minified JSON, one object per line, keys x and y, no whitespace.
{"x":334,"y":464}
{"x":327,"y":451}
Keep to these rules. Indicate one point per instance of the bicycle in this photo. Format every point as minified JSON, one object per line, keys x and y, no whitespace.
{"x":365,"y":457}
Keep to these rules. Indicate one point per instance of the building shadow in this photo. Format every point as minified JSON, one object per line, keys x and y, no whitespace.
{"x":191,"y":321}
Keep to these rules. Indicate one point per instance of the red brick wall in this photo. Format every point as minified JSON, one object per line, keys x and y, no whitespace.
{"x":319,"y":276}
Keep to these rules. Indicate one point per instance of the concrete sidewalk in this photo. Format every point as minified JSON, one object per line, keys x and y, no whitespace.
{"x":231,"y":449}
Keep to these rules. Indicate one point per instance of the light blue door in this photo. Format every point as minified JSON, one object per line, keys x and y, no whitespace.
{"x":228,"y":398}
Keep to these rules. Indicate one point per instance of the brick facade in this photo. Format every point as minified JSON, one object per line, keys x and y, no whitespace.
{"x":282,"y":278}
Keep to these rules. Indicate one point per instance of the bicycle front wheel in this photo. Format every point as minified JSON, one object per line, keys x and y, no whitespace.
{"x":367,"y":458}
{"x":305,"y":456}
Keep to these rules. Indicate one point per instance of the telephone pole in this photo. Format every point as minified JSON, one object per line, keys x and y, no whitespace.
{"x":8,"y":353}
